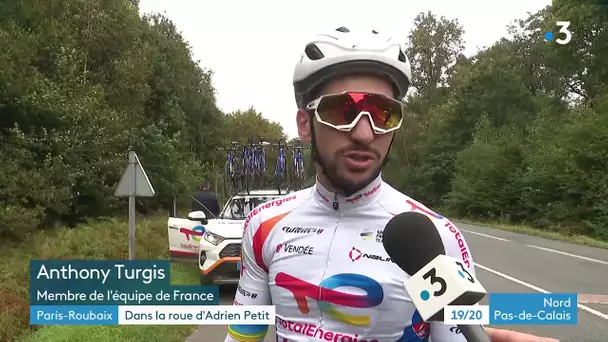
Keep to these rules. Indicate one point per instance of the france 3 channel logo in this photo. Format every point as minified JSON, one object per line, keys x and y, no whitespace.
{"x":564,"y":35}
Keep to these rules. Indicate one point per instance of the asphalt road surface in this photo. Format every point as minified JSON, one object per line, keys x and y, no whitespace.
{"x":511,"y":262}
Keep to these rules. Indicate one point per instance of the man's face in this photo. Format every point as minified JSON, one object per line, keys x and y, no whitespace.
{"x":352,"y":159}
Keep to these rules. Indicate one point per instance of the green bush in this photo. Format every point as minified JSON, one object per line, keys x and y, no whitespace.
{"x":102,"y":239}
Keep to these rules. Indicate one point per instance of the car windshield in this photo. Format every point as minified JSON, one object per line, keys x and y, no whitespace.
{"x":239,"y":207}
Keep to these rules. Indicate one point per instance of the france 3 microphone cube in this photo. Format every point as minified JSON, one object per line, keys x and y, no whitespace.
{"x":442,"y":282}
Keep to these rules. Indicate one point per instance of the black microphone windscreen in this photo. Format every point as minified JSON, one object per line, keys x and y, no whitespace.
{"x":412,"y":241}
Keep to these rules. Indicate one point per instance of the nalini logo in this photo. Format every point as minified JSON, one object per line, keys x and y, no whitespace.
{"x":355,"y":254}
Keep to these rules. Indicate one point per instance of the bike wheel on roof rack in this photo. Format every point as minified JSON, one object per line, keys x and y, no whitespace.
{"x":229,"y":185}
{"x":247,"y":180}
{"x":289,"y":177}
{"x":303,"y":174}
{"x":278,"y":182}
{"x":261,"y":181}
{"x":237,"y":178}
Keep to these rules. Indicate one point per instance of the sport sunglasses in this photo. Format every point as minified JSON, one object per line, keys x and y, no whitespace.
{"x":344,"y":110}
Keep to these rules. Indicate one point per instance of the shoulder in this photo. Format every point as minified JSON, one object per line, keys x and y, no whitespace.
{"x":277,"y":209}
{"x":396,"y":202}
{"x":454,"y":242}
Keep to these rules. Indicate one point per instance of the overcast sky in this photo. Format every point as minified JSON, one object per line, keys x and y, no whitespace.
{"x":252,"y":46}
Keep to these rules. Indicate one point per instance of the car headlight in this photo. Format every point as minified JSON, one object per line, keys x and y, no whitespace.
{"x":213,"y":239}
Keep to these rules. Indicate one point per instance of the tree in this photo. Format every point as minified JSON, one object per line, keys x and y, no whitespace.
{"x":435,"y":44}
{"x":250,"y":126}
{"x":516,"y":132}
{"x":83,"y":83}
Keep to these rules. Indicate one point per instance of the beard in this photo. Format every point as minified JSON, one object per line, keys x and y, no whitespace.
{"x":341,"y":182}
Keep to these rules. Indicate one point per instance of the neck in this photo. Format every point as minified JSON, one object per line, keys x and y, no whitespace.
{"x":326,"y":183}
{"x":327,"y":195}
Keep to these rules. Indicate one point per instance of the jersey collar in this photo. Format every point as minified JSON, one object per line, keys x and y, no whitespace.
{"x":331,"y":200}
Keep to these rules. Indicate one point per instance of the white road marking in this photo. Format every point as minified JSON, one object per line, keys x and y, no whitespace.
{"x":592,"y":299}
{"x":536,"y":288}
{"x":486,"y":235}
{"x":569,"y":254}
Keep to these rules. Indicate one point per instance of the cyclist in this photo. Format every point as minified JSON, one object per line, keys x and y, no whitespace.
{"x":317,"y":255}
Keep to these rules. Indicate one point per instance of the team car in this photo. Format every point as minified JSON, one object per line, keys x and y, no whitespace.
{"x":215,"y":243}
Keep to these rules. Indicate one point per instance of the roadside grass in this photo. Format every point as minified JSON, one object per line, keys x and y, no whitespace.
{"x":102,"y":239}
{"x":576,"y":239}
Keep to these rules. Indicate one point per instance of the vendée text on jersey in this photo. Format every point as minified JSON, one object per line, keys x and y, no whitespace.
{"x":297,"y":249}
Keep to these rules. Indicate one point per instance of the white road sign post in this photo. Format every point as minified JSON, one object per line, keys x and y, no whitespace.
{"x":134,"y":183}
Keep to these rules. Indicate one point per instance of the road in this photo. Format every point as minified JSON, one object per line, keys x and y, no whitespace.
{"x":512,"y":262}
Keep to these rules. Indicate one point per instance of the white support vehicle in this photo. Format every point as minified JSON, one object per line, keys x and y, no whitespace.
{"x":215,"y":243}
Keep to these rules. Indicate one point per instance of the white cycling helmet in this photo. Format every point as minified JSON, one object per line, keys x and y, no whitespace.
{"x":341,"y":52}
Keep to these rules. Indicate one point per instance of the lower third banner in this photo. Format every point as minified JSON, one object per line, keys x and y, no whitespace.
{"x":151,"y":314}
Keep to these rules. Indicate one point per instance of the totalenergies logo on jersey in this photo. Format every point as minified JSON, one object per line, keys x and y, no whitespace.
{"x":328,"y":297}
{"x":275,"y":203}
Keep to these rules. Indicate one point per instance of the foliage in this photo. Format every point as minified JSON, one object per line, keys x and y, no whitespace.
{"x":81,"y":83}
{"x":515,"y":133}
{"x":97,"y":239}
{"x":250,"y":126}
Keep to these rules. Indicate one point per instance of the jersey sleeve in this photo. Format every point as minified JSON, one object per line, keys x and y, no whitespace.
{"x":456,"y":247}
{"x":253,"y":286}
{"x":455,"y":244}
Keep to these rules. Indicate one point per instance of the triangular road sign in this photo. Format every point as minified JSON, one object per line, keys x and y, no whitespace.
{"x":134,"y":181}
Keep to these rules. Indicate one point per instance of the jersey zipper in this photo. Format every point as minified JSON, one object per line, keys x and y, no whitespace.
{"x":336,"y":206}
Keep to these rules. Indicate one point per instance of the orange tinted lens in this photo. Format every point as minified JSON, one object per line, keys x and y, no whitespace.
{"x":343,"y":109}
{"x":386,"y":112}
{"x":338,"y":110}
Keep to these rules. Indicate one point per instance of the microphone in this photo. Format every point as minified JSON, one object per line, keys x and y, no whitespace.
{"x":412,"y":241}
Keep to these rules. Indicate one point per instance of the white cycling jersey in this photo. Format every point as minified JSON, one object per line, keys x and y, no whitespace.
{"x":318,"y":257}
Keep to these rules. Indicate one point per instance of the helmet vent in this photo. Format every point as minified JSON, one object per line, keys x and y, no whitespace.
{"x":342,"y":29}
{"x":313,"y":52}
